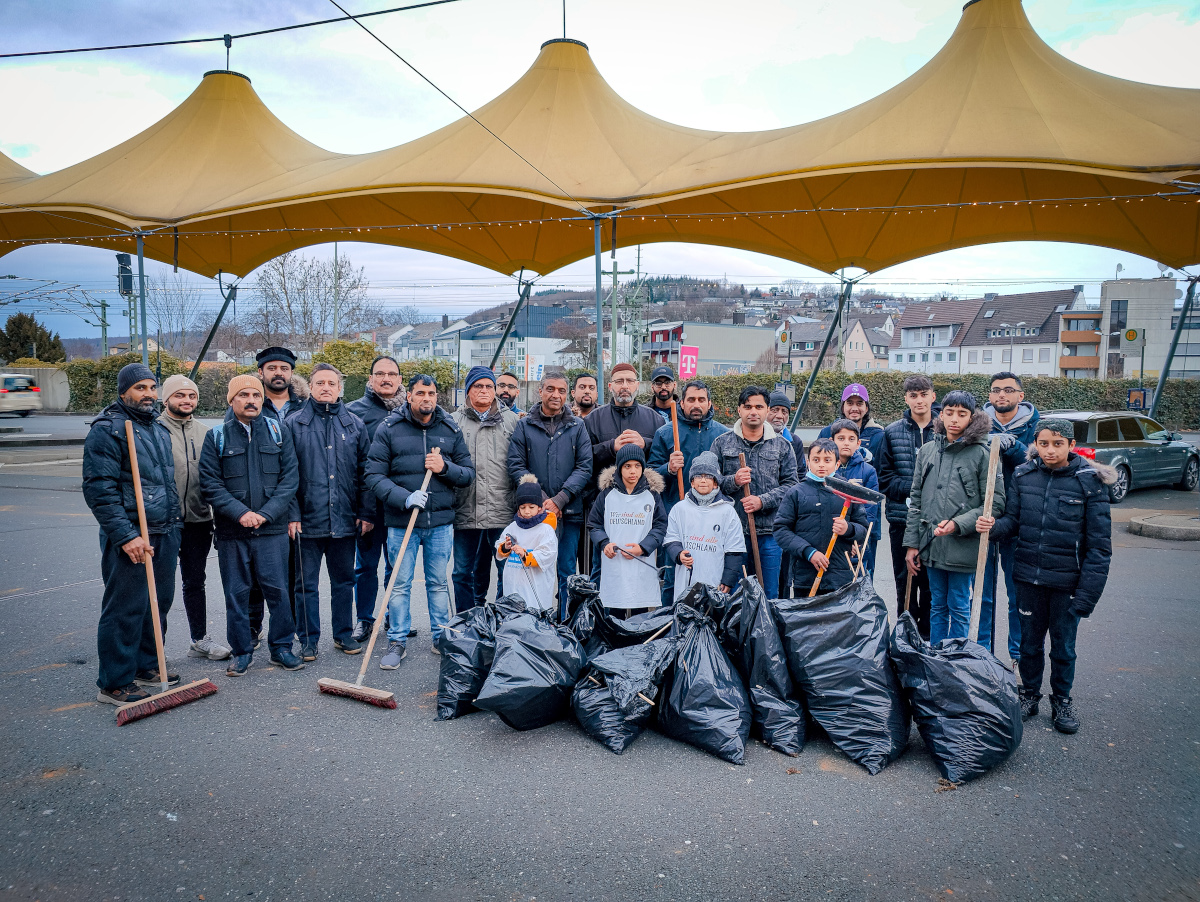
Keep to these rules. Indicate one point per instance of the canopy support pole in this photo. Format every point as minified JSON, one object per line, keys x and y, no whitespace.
{"x":596,"y":222}
{"x":229,"y":297}
{"x":1162,"y":377}
{"x":142,"y":300}
{"x":522,"y":298}
{"x":843,"y":297}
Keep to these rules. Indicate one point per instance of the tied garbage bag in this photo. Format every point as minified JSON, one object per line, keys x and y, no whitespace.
{"x":468,"y":645}
{"x":703,"y":702}
{"x":610,"y":700}
{"x":964,"y":701}
{"x":837,"y":652}
{"x":536,"y":665}
{"x":752,"y":639}
{"x":600,"y":632}
{"x":616,"y":633}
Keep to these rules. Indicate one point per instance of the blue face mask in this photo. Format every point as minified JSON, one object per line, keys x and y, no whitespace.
{"x":809,"y":474}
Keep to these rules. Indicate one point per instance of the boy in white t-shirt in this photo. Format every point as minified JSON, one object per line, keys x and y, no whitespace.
{"x":704,"y":535}
{"x":529,"y":549}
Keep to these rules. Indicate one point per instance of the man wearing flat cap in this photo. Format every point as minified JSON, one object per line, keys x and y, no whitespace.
{"x":276,"y":367}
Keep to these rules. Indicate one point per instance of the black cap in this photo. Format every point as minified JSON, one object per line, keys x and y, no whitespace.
{"x":266,"y":355}
{"x":662,"y":372}
{"x":779,"y":399}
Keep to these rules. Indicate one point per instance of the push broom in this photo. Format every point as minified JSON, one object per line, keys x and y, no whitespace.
{"x":850,"y":493}
{"x":357,"y":690}
{"x":167,"y":698}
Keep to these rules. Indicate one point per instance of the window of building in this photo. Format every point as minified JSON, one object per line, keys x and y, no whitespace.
{"x":930,"y":338}
{"x":1118,"y":315}
{"x":1043,"y":355}
{"x":937,"y":358}
{"x":924,"y":356}
{"x":987,"y":356}
{"x":912,"y":358}
{"x":972,"y":356}
{"x":1006,"y":355}
{"x":899,"y":358}
{"x":1027,"y":355}
{"x":952,"y":356}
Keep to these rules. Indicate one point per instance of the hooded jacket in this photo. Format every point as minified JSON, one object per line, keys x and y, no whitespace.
{"x":1061,"y":524}
{"x":772,"y":464}
{"x":695,"y":437}
{"x":870,"y":437}
{"x":187,"y":440}
{"x":558,"y":451}
{"x":396,"y":466}
{"x":1023,"y":428}
{"x":108,"y":478}
{"x":249,"y":473}
{"x":857,"y":469}
{"x":488,"y":502}
{"x":331,"y":450}
{"x":610,"y":482}
{"x":804,"y":524}
{"x":605,"y":423}
{"x":897,"y":457}
{"x":373,"y":410}
{"x":949,"y":483}
{"x":297,"y":395}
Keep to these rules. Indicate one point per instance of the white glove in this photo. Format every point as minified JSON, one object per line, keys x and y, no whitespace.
{"x":417,"y":499}
{"x":1007,"y":440}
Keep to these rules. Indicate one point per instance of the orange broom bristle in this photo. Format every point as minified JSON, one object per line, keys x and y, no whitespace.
{"x":164,"y":701}
{"x":349,"y":690}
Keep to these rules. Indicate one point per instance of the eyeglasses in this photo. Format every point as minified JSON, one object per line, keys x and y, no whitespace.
{"x":394,"y":374}
{"x":1005,"y":391}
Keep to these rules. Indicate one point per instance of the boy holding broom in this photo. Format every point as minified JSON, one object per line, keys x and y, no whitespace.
{"x":853,"y":467}
{"x":530,"y":545}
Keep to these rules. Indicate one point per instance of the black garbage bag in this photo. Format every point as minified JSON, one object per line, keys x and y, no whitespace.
{"x":703,"y":702}
{"x":708,"y":600}
{"x":580,"y":590}
{"x":468,"y":644}
{"x":536,"y":665}
{"x":585,"y":610}
{"x":751,"y":637}
{"x":965,"y":702}
{"x":614,"y":632}
{"x":837,"y":652}
{"x":610,"y":699}
{"x":599,"y":631}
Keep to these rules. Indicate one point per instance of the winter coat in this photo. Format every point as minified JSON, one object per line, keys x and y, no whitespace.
{"x":949,"y":483}
{"x":804,"y":524}
{"x":558,"y":452}
{"x":798,"y":448}
{"x":623,"y":517}
{"x":870,"y":437}
{"x":396,"y":466}
{"x":897,"y":458}
{"x":694,"y":439}
{"x":108,"y":478}
{"x":665,"y":412}
{"x":858,"y":469}
{"x":534,"y":577}
{"x":605,"y":423}
{"x":488,"y":502}
{"x":1061,"y":525}
{"x":297,"y":395}
{"x":772,"y":464}
{"x":1023,"y":427}
{"x":611,"y":482}
{"x":331,"y":449}
{"x":250,"y":473}
{"x":187,"y":438}
{"x":372,"y":410}
{"x":713,"y":535}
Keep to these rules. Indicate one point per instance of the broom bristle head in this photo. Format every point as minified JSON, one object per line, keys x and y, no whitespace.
{"x":164,"y":701}
{"x":376,"y":697}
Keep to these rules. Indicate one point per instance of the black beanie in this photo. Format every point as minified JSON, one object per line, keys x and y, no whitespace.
{"x":131,"y":374}
{"x":628,"y":453}
{"x":528,"y":491}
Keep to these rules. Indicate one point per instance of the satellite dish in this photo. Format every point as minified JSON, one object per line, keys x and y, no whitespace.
{"x":1120,"y":269}
{"x":1162,"y":267}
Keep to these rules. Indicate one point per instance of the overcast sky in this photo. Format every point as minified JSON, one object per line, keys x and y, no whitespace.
{"x":725,"y":66}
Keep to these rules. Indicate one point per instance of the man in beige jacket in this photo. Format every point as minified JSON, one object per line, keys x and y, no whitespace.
{"x":180,"y":397}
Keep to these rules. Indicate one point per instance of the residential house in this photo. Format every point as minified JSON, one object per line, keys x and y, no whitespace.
{"x":867,"y":341}
{"x":1153,"y":305}
{"x":415,"y":342}
{"x":724,"y":349}
{"x":1017,"y":333}
{"x":928,"y":336}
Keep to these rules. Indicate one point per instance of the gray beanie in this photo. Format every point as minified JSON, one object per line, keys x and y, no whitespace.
{"x":1065,"y":428}
{"x":131,"y":374}
{"x":705,"y":464}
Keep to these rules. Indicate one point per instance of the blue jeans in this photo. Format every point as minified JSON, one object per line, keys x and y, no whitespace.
{"x":949,"y":604}
{"x":771,"y":556}
{"x":568,"y":555}
{"x":1005,"y":551}
{"x":368,"y":550}
{"x":339,"y":562}
{"x":438,"y":543}
{"x":474,"y":551}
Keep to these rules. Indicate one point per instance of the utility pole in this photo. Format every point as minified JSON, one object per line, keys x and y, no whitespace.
{"x":142,"y":300}
{"x":103,"y":327}
{"x":335,"y":291}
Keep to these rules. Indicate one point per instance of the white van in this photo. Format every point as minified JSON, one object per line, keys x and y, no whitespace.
{"x":18,"y":394}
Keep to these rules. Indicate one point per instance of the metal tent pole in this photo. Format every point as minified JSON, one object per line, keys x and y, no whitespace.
{"x":522,"y":297}
{"x":599,"y":316}
{"x":847,"y":285}
{"x":1179,"y":327}
{"x":229,"y":297}
{"x":142,"y":301}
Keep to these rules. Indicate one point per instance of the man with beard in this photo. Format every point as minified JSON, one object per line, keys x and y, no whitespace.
{"x":249,"y":474}
{"x":778,"y":416}
{"x":697,"y":430}
{"x":384,"y":394}
{"x":508,"y":388}
{"x":125,"y":635}
{"x":275,"y":368}
{"x":662,"y":382}
{"x":583,"y":395}
{"x":856,"y":407}
{"x":553,"y":444}
{"x":180,"y":395}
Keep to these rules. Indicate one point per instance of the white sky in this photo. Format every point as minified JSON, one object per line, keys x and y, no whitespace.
{"x":716,"y":65}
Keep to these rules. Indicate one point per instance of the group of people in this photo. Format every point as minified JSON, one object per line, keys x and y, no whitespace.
{"x":294,"y":476}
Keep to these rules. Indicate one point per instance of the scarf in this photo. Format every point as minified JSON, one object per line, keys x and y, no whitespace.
{"x":705,"y":500}
{"x":530,"y":522}
{"x":144,"y":417}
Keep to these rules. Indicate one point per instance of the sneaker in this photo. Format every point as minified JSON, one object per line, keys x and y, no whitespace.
{"x":209,"y":648}
{"x":1062,"y":713}
{"x":239,"y":665}
{"x":433,"y":648}
{"x":350,"y":646}
{"x":1029,"y":705}
{"x":361,"y":632}
{"x":256,"y":636}
{"x":284,"y":658}
{"x":395,"y":654}
{"x":150,"y":679}
{"x":130,"y":693}
{"x":309,"y":651}
{"x":412,"y":633}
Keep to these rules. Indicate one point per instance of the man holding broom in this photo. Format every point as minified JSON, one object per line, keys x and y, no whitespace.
{"x":125,"y":636}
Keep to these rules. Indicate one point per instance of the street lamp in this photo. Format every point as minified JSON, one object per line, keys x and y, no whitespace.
{"x":1011,"y":338}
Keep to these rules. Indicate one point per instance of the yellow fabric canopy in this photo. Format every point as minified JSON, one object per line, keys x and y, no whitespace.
{"x":996,"y":116}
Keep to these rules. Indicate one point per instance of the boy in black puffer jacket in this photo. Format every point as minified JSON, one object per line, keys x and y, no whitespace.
{"x":1058,"y":511}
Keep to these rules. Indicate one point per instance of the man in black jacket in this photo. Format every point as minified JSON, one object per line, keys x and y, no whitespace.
{"x":248,"y":473}
{"x":125,"y":635}
{"x":418,"y":437}
{"x":331,"y":509}
{"x":553,"y":444}
{"x":384,"y":395}
{"x":1058,"y":514}
{"x":622,"y":421}
{"x":897,"y":459}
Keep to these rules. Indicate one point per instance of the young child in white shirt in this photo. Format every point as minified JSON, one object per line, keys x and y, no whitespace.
{"x":704,"y":535}
{"x":529,"y":549}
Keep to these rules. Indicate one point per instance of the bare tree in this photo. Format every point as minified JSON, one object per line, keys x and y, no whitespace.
{"x":172,"y":305}
{"x":768,"y":362}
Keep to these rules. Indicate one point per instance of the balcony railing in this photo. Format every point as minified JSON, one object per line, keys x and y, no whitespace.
{"x":1075,"y":362}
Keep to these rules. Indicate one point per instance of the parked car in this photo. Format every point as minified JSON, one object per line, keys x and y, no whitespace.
{"x":1141,"y":450}
{"x":18,"y":394}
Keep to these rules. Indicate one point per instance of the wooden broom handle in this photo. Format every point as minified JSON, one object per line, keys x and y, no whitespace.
{"x":753,"y":529}
{"x":675,"y":434}
{"x":147,"y":558}
{"x":828,"y":551}
{"x":981,"y":560}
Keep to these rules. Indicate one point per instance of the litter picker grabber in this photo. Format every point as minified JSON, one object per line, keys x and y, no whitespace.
{"x":981,"y":561}
{"x":675,"y":435}
{"x":753,"y":528}
{"x":357,"y":690}
{"x":850,"y":493}
{"x":167,"y":698}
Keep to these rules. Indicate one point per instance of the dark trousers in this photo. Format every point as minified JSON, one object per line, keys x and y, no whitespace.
{"x":125,"y":634}
{"x":256,"y":607}
{"x":368,"y":551}
{"x":339,"y":562}
{"x":474,"y":551}
{"x":569,"y":534}
{"x":194,"y":547}
{"x":919,"y":602}
{"x":1043,"y":611}
{"x":245,"y":562}
{"x":668,"y":576}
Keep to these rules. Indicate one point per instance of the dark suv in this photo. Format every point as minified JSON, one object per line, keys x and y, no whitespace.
{"x":1142,"y":451}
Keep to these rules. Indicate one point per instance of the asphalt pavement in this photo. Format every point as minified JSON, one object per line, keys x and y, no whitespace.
{"x":270,"y":790}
